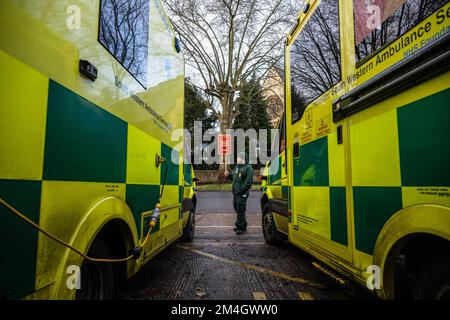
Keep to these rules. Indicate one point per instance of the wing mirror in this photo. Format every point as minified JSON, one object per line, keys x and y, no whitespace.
{"x":178,"y":45}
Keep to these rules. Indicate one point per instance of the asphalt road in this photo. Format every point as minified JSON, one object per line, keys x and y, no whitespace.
{"x":221,"y":202}
{"x":219,"y":265}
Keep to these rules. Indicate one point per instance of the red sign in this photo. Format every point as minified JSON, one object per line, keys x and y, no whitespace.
{"x":224,"y":144}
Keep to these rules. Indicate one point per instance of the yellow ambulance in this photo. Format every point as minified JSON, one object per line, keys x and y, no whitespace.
{"x":364,"y":182}
{"x":90,"y":94}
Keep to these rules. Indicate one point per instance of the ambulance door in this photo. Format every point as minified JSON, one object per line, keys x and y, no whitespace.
{"x":320,"y":221}
{"x":278,"y":181}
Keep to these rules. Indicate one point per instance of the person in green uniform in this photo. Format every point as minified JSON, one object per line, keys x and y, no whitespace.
{"x":242,"y":177}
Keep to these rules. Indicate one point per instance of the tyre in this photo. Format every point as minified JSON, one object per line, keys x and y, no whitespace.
{"x":97,"y":279}
{"x":433,"y":280}
{"x":272,"y":236}
{"x":189,"y":229}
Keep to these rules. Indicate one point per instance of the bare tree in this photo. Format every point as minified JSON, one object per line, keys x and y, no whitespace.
{"x":229,"y":41}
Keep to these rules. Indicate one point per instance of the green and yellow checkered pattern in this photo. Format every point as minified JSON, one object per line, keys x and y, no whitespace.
{"x":399,"y":158}
{"x":320,"y":197}
{"x":60,"y":155}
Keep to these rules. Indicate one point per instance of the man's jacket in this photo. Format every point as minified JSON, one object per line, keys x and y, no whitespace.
{"x":242,"y":177}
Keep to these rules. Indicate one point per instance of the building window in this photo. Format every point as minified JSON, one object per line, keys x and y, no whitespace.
{"x":123,"y":31}
{"x":315,"y":58}
{"x":379,"y":22}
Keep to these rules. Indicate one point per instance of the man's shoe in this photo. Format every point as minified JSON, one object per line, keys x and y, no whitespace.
{"x":236,"y":229}
{"x":239,"y":232}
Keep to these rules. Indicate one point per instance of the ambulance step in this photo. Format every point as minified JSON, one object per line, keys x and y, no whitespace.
{"x":330,"y":274}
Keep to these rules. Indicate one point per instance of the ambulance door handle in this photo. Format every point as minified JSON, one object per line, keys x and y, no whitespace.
{"x":340,"y":136}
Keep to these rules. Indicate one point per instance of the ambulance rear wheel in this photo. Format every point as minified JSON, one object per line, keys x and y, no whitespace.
{"x":189,"y":229}
{"x":271,"y":234}
{"x":97,"y":279}
{"x":433,"y":280}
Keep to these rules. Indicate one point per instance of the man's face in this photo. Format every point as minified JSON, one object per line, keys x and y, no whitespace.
{"x":240,"y":160}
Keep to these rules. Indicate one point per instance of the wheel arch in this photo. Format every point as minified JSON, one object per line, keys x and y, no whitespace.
{"x":409,"y":225}
{"x":109,"y":218}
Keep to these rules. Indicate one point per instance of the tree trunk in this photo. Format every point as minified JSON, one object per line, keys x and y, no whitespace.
{"x":225,"y":125}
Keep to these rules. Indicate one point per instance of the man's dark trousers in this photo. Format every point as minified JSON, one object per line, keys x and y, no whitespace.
{"x":240,"y":206}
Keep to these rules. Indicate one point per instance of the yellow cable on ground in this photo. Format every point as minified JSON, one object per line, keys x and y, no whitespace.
{"x":65,"y":244}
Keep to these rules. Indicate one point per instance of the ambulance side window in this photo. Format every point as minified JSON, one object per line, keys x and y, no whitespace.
{"x":315,"y":58}
{"x":380,"y":23}
{"x":123,"y":31}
